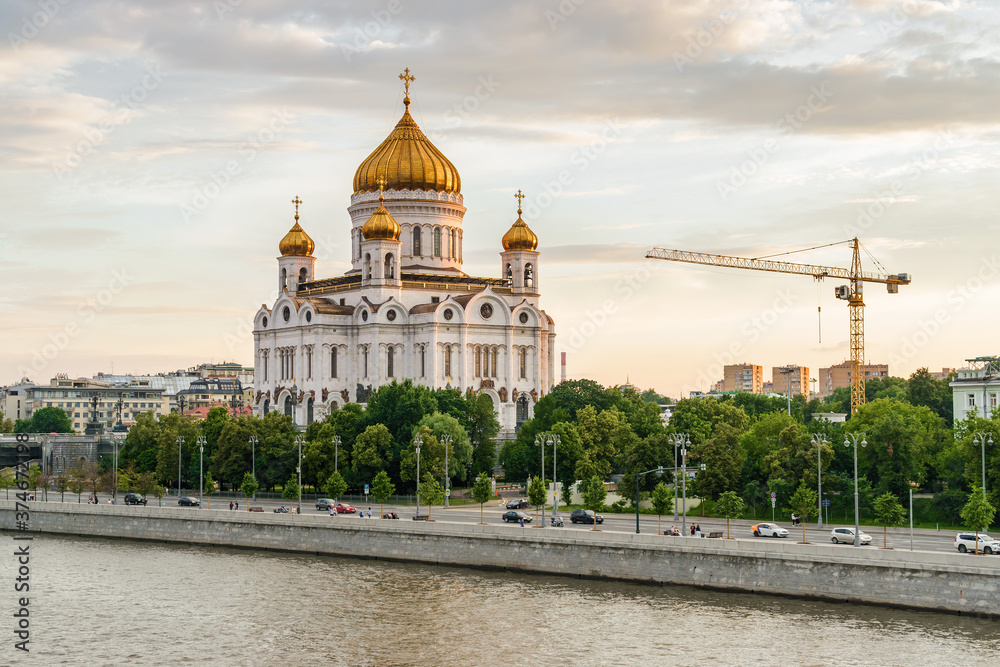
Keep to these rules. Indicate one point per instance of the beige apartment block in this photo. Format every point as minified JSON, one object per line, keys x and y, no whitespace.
{"x":840,"y":376}
{"x":795,"y":381}
{"x":748,"y":378}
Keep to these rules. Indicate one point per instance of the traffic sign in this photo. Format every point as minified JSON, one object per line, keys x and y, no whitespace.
{"x":773,"y":502}
{"x":826,"y":503}
{"x":773,"y":495}
{"x":366,"y":489}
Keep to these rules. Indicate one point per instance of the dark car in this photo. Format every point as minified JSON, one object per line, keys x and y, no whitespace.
{"x":585,"y":516}
{"x":514,"y":516}
{"x":134,"y":499}
{"x":517,"y":504}
{"x":324,"y":504}
{"x":188,"y":501}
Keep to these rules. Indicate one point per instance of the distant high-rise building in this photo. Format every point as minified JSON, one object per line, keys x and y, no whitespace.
{"x":744,"y":377}
{"x":790,"y":379}
{"x":944,"y":374}
{"x":840,"y":376}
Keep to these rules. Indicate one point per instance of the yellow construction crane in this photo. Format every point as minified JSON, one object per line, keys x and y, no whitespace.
{"x":852,"y":294}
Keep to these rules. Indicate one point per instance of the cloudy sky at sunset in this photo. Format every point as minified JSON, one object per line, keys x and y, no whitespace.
{"x":150,"y":151}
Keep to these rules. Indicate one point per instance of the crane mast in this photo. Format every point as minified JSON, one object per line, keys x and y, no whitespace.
{"x":853,"y":294}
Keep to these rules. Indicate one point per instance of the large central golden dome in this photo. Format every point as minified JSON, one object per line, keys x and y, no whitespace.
{"x":407,"y":160}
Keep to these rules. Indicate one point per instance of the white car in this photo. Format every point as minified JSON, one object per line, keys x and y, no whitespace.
{"x":966,"y":542}
{"x":768,"y":530}
{"x":846,"y":536}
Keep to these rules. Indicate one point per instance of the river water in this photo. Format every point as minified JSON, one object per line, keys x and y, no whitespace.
{"x":115,"y":602}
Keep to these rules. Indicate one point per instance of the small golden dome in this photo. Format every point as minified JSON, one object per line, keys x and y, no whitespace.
{"x":381,"y":225}
{"x":519,"y":236}
{"x":407,"y":160}
{"x":296,"y":242}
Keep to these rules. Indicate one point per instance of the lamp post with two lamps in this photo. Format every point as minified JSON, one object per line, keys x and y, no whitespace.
{"x":682,"y":440}
{"x":417,"y":441}
{"x":446,"y":441}
{"x":201,"y":470}
{"x":819,"y":440}
{"x":857,"y":514}
{"x":180,"y":444}
{"x":541,"y":440}
{"x":980,"y":438}
{"x":299,"y":439}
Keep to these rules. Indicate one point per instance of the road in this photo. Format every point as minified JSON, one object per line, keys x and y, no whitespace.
{"x":898,"y":538}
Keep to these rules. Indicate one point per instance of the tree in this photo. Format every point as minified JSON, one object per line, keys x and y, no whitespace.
{"x":978,"y":513}
{"x":803,"y":502}
{"x":209,"y":487}
{"x":76,"y":484}
{"x":373,"y":451}
{"x":34,"y":478}
{"x":731,"y":506}
{"x":460,"y":450}
{"x":723,"y":459}
{"x":290,"y":492}
{"x":536,"y":494}
{"x":662,"y":498}
{"x":382,"y":488}
{"x":249,"y":487}
{"x":6,"y":425}
{"x":755,"y":494}
{"x":482,"y":427}
{"x":46,"y":420}
{"x":62,"y":483}
{"x":335,"y":485}
{"x":950,"y":503}
{"x":7,"y":477}
{"x":888,"y":512}
{"x":145,"y":483}
{"x":482,"y":491}
{"x":158,"y":491}
{"x":594,"y":495}
{"x":431,"y":491}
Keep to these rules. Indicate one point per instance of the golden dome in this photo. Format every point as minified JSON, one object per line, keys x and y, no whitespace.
{"x":407,"y":160}
{"x":381,"y":225}
{"x":519,"y":236}
{"x":296,"y":242}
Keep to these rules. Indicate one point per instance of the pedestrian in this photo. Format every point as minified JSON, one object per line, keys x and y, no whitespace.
{"x":697,"y":530}
{"x":230,"y":505}
{"x":522,"y":522}
{"x":237,"y":504}
{"x":369,"y":512}
{"x":692,"y":530}
{"x":332,"y":513}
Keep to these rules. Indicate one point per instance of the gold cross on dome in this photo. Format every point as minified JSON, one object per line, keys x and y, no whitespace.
{"x":406,"y":78}
{"x":296,"y":201}
{"x":519,"y":197}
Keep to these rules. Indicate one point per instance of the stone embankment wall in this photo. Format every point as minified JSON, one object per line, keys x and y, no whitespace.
{"x":926,"y":580}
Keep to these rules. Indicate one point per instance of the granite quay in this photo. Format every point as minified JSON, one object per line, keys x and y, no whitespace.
{"x":924,"y":580}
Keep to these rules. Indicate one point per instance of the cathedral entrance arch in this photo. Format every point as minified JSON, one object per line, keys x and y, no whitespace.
{"x":522,"y":409}
{"x":288,"y":406}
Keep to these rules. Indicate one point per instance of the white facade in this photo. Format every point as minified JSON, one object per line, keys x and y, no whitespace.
{"x":405,"y":310}
{"x":975,"y":391}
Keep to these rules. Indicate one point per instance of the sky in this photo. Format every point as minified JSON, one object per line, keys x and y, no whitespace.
{"x":150,"y":152}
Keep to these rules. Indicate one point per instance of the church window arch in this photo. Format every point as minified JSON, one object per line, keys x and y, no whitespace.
{"x":523,"y":363}
{"x":309,"y":411}
{"x":284,"y":278}
{"x":368,"y":266}
{"x":494,"y":364}
{"x":437,"y":241}
{"x":390,"y":266}
{"x":529,"y":276}
{"x":364,"y":355}
{"x":423,"y":362}
{"x":267,"y":406}
{"x":416,"y":241}
{"x":447,"y":361}
{"x":303,"y":274}
{"x":390,"y":354}
{"x":333,"y":362}
{"x":288,"y":406}
{"x":509,"y":273}
{"x":478,"y":364}
{"x":522,"y":409}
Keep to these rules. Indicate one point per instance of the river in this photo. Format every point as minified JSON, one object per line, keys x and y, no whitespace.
{"x":115,"y":602}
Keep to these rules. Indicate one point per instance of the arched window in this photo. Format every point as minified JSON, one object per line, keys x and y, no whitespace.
{"x":267,"y":406}
{"x":437,"y":241}
{"x":494,"y":362}
{"x":423,"y":362}
{"x":522,"y":409}
{"x":478,"y":366}
{"x":454,"y":238}
{"x":447,"y":361}
{"x":288,"y":406}
{"x":333,"y":362}
{"x":388,"y":362}
{"x":529,"y":276}
{"x":389,"y":267}
{"x":368,"y":266}
{"x":509,"y":273}
{"x":303,"y":274}
{"x":416,"y":241}
{"x":523,"y":362}
{"x":364,"y":354}
{"x":284,"y":278}
{"x":309,"y":411}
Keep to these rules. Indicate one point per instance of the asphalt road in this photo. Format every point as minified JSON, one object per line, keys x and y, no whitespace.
{"x":897,"y":538}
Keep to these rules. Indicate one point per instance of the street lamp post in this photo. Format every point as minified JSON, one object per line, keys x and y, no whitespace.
{"x":681,"y":440}
{"x":980,"y":438}
{"x":554,"y":439}
{"x":446,"y":440}
{"x":659,"y":473}
{"x":114,"y":493}
{"x":180,"y":444}
{"x":336,"y":452}
{"x":299,"y":439}
{"x":540,"y":440}
{"x":253,"y":458}
{"x":295,"y":402}
{"x":819,"y":440}
{"x":417,"y":441}
{"x":201,"y":470}
{"x":857,"y":516}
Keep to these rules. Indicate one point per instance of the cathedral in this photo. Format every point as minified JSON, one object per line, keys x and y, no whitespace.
{"x":405,"y":310}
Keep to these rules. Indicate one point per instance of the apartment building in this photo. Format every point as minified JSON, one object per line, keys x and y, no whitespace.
{"x":839,"y":375}
{"x":748,"y":378}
